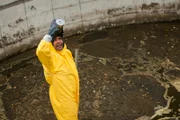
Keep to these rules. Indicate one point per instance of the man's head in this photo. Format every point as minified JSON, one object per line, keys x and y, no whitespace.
{"x":58,"y":42}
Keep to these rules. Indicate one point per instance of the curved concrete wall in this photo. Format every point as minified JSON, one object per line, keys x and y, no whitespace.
{"x":24,"y":22}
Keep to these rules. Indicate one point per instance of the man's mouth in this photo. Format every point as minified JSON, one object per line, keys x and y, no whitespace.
{"x":59,"y":45}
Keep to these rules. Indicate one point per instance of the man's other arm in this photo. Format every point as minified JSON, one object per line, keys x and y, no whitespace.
{"x":44,"y":50}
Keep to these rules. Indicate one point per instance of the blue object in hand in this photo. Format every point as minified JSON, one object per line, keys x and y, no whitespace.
{"x":53,"y":28}
{"x":56,"y":26}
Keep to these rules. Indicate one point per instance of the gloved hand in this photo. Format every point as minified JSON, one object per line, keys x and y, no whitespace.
{"x":53,"y":28}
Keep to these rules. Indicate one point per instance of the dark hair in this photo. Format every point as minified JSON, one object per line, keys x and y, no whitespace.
{"x":57,"y":34}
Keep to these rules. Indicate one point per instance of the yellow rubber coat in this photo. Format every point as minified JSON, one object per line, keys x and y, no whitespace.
{"x":61,"y":74}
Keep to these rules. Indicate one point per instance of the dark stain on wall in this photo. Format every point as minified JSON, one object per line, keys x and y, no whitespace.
{"x":19,"y":20}
{"x":2,"y":41}
{"x":12,"y":26}
{"x":17,"y":35}
{"x":152,"y":5}
{"x":114,"y":10}
{"x":12,"y":39}
{"x":170,"y":6}
{"x":6,"y":40}
{"x":33,"y":8}
{"x":110,"y":11}
{"x":2,"y":7}
{"x":178,"y":7}
{"x":31,"y":30}
{"x":123,"y":9}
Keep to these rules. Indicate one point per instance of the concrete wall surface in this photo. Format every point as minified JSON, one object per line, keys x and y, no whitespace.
{"x":24,"y":22}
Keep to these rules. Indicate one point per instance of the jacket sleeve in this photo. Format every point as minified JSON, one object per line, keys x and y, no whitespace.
{"x":44,"y":51}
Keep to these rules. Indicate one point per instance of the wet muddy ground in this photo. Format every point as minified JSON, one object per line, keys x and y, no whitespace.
{"x":126,"y":73}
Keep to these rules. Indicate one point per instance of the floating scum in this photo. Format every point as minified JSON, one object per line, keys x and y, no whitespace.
{"x":60,"y":72}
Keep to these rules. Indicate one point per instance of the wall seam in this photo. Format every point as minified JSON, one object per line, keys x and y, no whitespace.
{"x":0,"y":32}
{"x":26,"y":18}
{"x":81,"y":14}
{"x":52,"y":9}
{"x":1,"y":40}
{"x":108,"y":16}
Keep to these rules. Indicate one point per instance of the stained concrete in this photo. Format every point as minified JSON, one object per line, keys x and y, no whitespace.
{"x":24,"y":21}
{"x":126,"y":73}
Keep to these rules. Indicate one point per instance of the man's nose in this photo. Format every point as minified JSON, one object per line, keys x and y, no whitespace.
{"x":60,"y":41}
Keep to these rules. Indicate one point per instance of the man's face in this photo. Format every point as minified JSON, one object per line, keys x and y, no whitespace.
{"x":58,"y":43}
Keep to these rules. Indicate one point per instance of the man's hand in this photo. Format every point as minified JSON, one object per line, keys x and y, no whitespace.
{"x":56,"y":26}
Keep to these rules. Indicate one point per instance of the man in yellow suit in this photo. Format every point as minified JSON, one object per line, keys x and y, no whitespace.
{"x":60,"y":72}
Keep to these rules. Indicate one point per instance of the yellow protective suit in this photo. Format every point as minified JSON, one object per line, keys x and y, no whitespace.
{"x":61,"y":74}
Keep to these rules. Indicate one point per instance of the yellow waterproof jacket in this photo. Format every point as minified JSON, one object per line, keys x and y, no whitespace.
{"x":61,"y":74}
